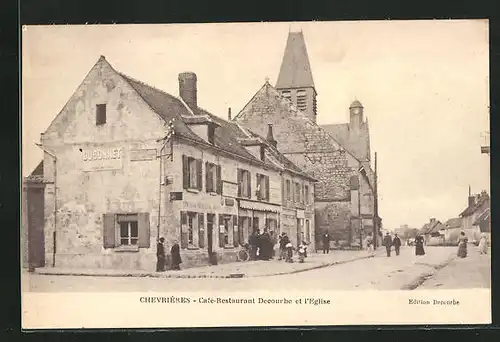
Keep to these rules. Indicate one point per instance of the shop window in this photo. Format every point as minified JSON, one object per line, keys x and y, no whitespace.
{"x":271,"y":225}
{"x":225,"y":226}
{"x":262,"y":191}
{"x":213,"y":178}
{"x":128,"y":230}
{"x":244,"y":183}
{"x":192,"y":173}
{"x":100,"y":114}
{"x":244,"y":224}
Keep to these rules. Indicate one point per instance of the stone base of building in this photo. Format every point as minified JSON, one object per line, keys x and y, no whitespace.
{"x":135,"y":261}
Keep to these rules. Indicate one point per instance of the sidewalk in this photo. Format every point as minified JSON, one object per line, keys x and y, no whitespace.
{"x":230,"y":270}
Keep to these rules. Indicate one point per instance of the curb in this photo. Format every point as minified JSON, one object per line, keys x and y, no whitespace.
{"x":186,"y":276}
{"x":422,"y":278}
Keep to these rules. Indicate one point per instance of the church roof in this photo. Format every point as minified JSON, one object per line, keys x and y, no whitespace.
{"x":356,"y":104}
{"x":295,"y":71}
{"x":356,"y":144}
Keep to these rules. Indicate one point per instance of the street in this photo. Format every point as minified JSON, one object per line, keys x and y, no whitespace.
{"x":378,"y":273}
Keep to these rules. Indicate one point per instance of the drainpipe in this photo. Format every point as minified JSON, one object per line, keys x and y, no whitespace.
{"x":54,"y":234}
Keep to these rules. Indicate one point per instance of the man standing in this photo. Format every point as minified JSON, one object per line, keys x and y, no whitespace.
{"x":160,"y":255}
{"x":254,"y":243}
{"x":388,"y":243}
{"x":397,"y":243}
{"x":326,"y":243}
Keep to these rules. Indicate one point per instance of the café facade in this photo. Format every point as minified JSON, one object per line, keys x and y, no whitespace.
{"x":126,"y":163}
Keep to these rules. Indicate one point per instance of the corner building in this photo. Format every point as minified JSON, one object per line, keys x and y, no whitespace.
{"x":126,"y":163}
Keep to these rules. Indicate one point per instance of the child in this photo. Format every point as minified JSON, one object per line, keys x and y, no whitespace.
{"x":289,"y":252}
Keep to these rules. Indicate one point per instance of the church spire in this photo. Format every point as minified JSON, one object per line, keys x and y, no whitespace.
{"x":295,"y":81}
{"x":295,"y":71}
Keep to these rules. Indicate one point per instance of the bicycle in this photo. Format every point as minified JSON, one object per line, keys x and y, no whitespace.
{"x":243,"y":253}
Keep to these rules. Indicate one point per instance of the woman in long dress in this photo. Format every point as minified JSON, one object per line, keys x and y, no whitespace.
{"x":419,"y":245}
{"x":483,"y":245}
{"x":462,"y":245}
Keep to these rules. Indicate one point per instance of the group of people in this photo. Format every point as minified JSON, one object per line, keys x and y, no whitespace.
{"x":462,"y":245}
{"x":388,"y":242}
{"x":161,"y":258}
{"x":262,"y":245}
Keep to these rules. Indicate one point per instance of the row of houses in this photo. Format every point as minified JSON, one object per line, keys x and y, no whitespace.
{"x":474,"y":221}
{"x":125,"y":164}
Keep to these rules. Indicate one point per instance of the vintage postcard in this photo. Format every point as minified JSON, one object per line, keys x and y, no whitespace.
{"x":255,"y":174}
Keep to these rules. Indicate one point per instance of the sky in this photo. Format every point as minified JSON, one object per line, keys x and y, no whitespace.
{"x":424,"y":86}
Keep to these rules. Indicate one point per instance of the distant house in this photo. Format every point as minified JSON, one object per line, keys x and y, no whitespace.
{"x":433,"y":232}
{"x":477,"y":208}
{"x":483,"y":222}
{"x":452,"y":230}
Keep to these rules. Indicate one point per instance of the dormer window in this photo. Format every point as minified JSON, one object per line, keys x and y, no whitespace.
{"x":211,"y":134}
{"x":100,"y":114}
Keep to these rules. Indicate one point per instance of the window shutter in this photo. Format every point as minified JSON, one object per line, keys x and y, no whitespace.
{"x":144,"y":230}
{"x":201,"y":230}
{"x":257,"y":179}
{"x":250,"y":225}
{"x":184,"y":233}
{"x":108,"y":231}
{"x":239,"y":182}
{"x":221,"y":231}
{"x":207,"y":177}
{"x":249,"y":184}
{"x":185,"y":172}
{"x":267,"y":188}
{"x":219,"y":180}
{"x":199,"y":173}
{"x":235,"y":233}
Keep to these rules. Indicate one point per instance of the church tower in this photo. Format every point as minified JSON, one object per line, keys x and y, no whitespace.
{"x":295,"y":80}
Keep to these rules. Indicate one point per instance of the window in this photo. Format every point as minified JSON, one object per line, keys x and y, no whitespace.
{"x":286,"y":94}
{"x":262,"y":191}
{"x":244,"y":184}
{"x":306,"y":193}
{"x":226,"y":230}
{"x":128,"y":230}
{"x":235,"y":229}
{"x":301,"y":100}
{"x":100,"y":114}
{"x":213,"y":178}
{"x":255,"y":224}
{"x":244,"y":225}
{"x":190,"y":229}
{"x":297,"y":192}
{"x":308,"y":231}
{"x":288,"y":190}
{"x":272,"y":225}
{"x":201,"y":230}
{"x":192,"y":173}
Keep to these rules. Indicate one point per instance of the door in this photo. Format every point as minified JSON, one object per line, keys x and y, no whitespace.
{"x":36,"y":237}
{"x":210,"y":231}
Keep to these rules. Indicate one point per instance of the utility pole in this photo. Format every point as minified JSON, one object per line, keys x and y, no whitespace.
{"x":375,"y":206}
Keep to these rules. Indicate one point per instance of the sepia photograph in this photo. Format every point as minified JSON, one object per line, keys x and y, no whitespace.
{"x":255,"y":174}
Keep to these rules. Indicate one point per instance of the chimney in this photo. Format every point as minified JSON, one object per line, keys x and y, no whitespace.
{"x":472,"y":201}
{"x":188,"y":90}
{"x":433,"y":220}
{"x":270,"y":137}
{"x":229,"y":114}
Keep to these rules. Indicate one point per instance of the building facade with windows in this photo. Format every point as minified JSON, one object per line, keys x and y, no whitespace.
{"x":125,"y":164}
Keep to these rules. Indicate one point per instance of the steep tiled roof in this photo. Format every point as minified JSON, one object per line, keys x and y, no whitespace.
{"x":165,"y":105}
{"x":455,"y":222}
{"x":37,"y":175}
{"x":431,"y":227}
{"x":483,"y":198}
{"x":484,"y":216}
{"x":356,"y":143}
{"x":170,"y":107}
{"x":295,"y":71}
